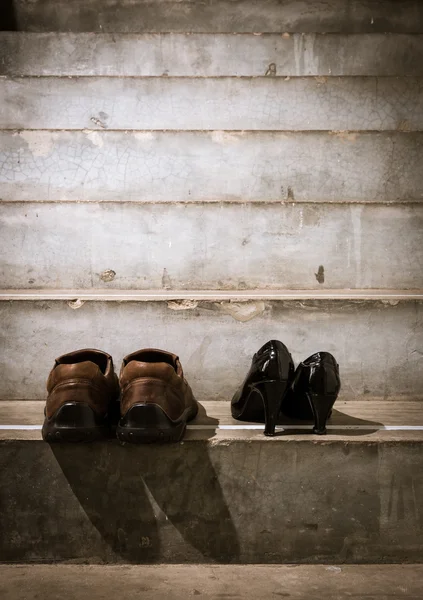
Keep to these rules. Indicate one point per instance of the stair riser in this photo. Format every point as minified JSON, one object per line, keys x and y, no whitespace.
{"x":378,"y":346}
{"x":197,"y":246}
{"x":184,"y":166}
{"x":199,"y":55}
{"x":260,"y":502}
{"x":218,"y":16}
{"x":208,"y":104}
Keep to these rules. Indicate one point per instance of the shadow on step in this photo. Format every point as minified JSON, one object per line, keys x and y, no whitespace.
{"x":150,"y":503}
{"x":207,"y":421}
{"x":339,"y":424}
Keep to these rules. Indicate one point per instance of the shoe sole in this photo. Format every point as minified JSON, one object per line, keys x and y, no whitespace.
{"x":75,"y":422}
{"x":148,"y":424}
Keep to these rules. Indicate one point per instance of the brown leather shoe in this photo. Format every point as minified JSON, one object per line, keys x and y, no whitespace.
{"x":83,"y":390}
{"x":156,"y":401}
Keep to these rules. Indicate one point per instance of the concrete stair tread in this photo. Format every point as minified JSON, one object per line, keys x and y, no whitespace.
{"x":351,"y":420}
{"x":122,"y":295}
{"x":173,"y":582}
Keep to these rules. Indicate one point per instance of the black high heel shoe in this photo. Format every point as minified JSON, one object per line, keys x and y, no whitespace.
{"x":260,"y":396}
{"x":314,"y":390}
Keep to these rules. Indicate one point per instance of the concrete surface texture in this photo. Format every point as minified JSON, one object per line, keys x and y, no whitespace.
{"x":213,"y":104}
{"x":197,"y":246}
{"x":227,"y":501}
{"x":218,"y":16}
{"x":210,"y":55}
{"x":201,"y":166}
{"x":377,"y":345}
{"x":268,"y":159}
{"x":225,"y":145}
{"x":213,"y":582}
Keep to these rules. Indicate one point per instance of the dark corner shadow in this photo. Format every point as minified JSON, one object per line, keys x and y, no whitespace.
{"x":136,"y":496}
{"x":339,"y":424}
{"x":8,"y":21}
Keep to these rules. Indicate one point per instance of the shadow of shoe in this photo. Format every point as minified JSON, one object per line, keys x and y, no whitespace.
{"x":149,"y":503}
{"x":110,"y":490}
{"x":340,"y":423}
{"x":203,"y":427}
{"x":185,"y":486}
{"x":203,"y":418}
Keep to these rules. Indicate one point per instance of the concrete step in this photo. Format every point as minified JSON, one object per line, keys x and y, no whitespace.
{"x":225,"y":494}
{"x":228,"y":103}
{"x":217,"y":16}
{"x":210,"y":166}
{"x":173,"y":582}
{"x":210,"y":55}
{"x":376,"y":420}
{"x":378,"y":345}
{"x":388,"y":296}
{"x":204,"y":246}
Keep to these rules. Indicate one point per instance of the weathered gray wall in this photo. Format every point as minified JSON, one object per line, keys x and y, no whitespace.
{"x":175,"y":166}
{"x":211,"y":55}
{"x":378,"y":345}
{"x":226,"y":246}
{"x":273,"y":103}
{"x":198,"y":158}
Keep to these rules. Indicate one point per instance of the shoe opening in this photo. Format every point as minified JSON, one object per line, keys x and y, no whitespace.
{"x":152,"y":356}
{"x":97,"y":358}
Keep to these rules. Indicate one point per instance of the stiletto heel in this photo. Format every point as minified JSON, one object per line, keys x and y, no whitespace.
{"x":314,"y":391}
{"x":272,"y":393}
{"x":260,"y":396}
{"x":321,"y":407}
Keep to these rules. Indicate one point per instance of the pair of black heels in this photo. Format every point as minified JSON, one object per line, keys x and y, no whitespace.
{"x":273,"y":385}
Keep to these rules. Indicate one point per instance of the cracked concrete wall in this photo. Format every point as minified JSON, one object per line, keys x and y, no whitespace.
{"x":195,"y":246}
{"x":219,"y":15}
{"x":378,"y":346}
{"x":138,"y":180}
{"x":172,"y":166}
{"x":212,"y":55}
{"x":344,"y":103}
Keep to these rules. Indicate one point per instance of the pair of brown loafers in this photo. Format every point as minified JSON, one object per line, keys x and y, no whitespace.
{"x":150,"y":401}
